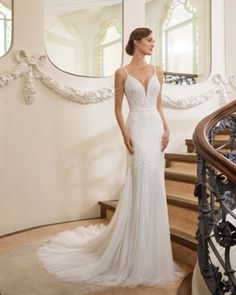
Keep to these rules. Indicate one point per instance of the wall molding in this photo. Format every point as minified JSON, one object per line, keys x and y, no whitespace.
{"x":32,"y":67}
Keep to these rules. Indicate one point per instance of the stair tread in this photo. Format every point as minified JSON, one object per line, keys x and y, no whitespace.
{"x":176,"y":222}
{"x":188,"y":231}
{"x":181,"y":156}
{"x":183,"y":235}
{"x":184,"y":201}
{"x":182,"y":232}
{"x":191,"y":200}
{"x":172,"y":171}
{"x":110,"y":204}
{"x":188,"y":269}
{"x":188,"y":199}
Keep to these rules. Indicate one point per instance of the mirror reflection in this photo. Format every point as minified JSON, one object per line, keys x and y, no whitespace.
{"x":5,"y":26}
{"x":181,"y":29}
{"x":84,"y":37}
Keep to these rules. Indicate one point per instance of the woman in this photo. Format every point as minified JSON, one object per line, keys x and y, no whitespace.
{"x":135,"y":248}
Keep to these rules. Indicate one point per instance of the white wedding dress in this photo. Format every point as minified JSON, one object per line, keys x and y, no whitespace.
{"x":134,"y":248}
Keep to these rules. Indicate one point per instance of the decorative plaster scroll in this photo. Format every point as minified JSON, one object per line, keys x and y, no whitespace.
{"x":221,"y":90}
{"x":187,"y":102}
{"x":30,"y":67}
{"x":224,"y":84}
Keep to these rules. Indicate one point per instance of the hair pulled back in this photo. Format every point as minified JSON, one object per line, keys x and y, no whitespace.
{"x":136,"y":34}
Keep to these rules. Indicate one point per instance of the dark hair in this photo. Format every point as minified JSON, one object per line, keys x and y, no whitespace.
{"x":136,"y":34}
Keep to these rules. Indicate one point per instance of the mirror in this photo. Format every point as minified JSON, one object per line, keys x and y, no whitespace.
{"x":5,"y":26}
{"x":181,"y":29}
{"x":84,"y":37}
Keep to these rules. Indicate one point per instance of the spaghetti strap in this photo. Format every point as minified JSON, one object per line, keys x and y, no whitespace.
{"x":123,"y":81}
{"x":154,"y":69}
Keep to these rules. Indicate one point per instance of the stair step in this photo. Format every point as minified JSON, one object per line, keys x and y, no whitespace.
{"x":183,"y":201}
{"x":217,"y":143}
{"x":181,"y":231}
{"x":107,"y":205}
{"x":182,"y":161}
{"x":182,"y":238}
{"x":222,"y":137}
{"x":182,"y":157}
{"x":179,"y":175}
{"x":174,"y":187}
{"x":186,"y":215}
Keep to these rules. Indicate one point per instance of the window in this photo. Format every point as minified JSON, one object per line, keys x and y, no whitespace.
{"x":110,"y":46}
{"x":180,"y":38}
{"x":5,"y":28}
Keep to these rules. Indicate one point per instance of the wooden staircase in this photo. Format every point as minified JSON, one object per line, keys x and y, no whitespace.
{"x":180,"y":179}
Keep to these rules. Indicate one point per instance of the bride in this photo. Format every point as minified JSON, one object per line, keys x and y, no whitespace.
{"x":134,"y":248}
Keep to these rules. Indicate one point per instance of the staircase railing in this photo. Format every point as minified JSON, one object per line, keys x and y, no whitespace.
{"x":180,"y":78}
{"x":216,"y":192}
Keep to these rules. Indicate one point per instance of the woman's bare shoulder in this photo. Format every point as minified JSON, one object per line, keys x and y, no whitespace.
{"x":120,"y":71}
{"x":159,"y":70}
{"x":120,"y":74}
{"x":160,"y":74}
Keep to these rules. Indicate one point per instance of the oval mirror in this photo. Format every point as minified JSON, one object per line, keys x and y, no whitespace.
{"x":84,"y":37}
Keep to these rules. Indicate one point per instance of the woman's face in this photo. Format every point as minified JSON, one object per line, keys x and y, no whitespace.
{"x":146,"y":44}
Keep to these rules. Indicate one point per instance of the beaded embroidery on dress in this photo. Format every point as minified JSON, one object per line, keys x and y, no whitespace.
{"x":134,"y":248}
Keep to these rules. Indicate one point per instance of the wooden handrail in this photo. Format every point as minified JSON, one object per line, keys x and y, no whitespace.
{"x":204,"y":148}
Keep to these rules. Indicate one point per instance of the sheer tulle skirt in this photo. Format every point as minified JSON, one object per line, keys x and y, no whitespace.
{"x":134,"y":248}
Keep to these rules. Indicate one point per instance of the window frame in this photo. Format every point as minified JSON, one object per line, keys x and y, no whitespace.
{"x":6,"y":21}
{"x":165,"y":29}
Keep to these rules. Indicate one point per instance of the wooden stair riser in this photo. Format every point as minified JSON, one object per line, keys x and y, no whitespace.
{"x":187,"y":202}
{"x":181,"y":161}
{"x":180,"y":188}
{"x":184,"y":254}
{"x":181,"y":176}
{"x":187,"y":215}
{"x":109,"y":214}
{"x":182,"y":166}
{"x":224,"y":137}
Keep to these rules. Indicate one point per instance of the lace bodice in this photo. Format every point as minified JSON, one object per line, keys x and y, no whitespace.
{"x":139,"y":97}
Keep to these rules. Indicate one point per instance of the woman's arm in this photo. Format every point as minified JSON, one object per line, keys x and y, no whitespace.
{"x":165,"y":136}
{"x":119,"y":93}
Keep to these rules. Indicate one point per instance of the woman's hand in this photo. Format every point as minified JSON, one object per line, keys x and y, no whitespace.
{"x":164,"y":140}
{"x":128,"y":142}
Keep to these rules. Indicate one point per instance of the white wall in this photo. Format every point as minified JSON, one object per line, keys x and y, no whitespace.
{"x":230,"y":38}
{"x":59,"y":158}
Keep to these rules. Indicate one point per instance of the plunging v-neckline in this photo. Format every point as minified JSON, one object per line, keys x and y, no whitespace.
{"x":145,"y":89}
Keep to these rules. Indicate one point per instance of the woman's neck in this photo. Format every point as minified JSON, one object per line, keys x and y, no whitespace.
{"x":138,"y":60}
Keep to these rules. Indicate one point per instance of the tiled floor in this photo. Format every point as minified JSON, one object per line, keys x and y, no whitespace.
{"x":25,"y":276}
